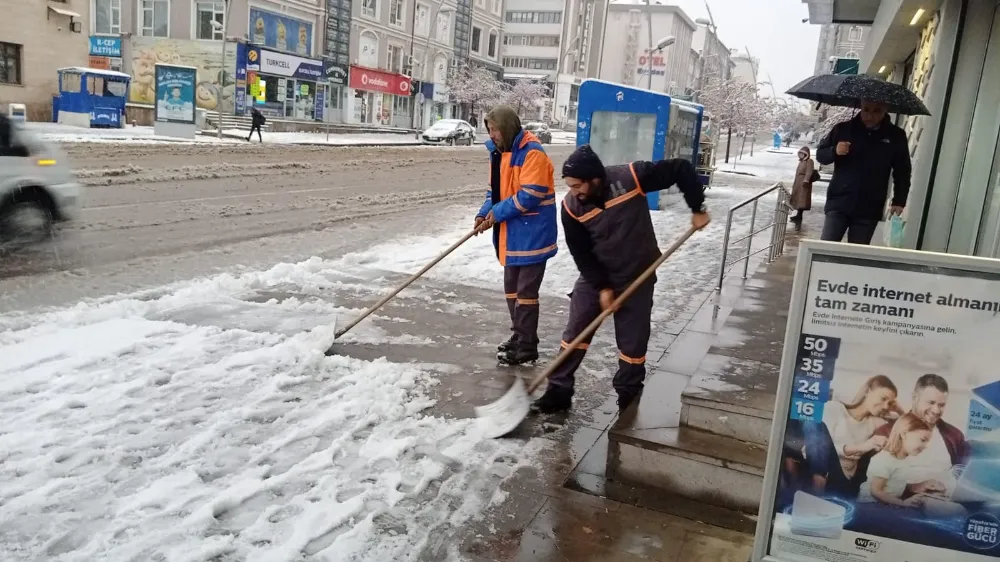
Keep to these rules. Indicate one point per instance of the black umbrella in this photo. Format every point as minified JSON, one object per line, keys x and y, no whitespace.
{"x":847,"y":90}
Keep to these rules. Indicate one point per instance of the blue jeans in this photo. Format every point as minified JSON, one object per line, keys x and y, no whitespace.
{"x":858,"y":231}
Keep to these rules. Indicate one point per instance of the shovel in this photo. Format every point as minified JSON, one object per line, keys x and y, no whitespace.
{"x":504,"y":415}
{"x":406,"y":284}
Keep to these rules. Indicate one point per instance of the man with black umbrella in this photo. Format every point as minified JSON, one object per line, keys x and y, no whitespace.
{"x":865,"y":152}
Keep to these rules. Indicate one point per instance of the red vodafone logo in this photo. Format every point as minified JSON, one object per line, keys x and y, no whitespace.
{"x":377,"y":81}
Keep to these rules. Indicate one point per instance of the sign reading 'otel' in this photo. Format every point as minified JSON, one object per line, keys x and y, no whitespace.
{"x":378,"y":81}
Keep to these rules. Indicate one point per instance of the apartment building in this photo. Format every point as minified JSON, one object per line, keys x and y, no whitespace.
{"x":713,"y":60}
{"x":630,"y":59}
{"x":550,"y":41}
{"x":840,"y":47}
{"x":745,"y":67}
{"x":37,"y":38}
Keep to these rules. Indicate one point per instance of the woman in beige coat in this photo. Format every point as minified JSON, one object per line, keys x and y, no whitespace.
{"x":801,"y":197}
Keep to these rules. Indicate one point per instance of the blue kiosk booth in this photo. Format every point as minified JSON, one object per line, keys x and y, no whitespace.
{"x":624,"y":124}
{"x":89,"y":97}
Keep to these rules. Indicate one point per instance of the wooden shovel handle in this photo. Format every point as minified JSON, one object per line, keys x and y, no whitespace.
{"x":412,"y":278}
{"x":589,"y":330}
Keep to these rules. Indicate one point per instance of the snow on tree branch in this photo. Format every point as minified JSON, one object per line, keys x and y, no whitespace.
{"x":735,"y":104}
{"x":834,"y":116}
{"x":524,"y":94}
{"x":475,"y":86}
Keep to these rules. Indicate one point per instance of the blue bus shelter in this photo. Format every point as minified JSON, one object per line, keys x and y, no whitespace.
{"x":623,"y":124}
{"x":89,"y":97}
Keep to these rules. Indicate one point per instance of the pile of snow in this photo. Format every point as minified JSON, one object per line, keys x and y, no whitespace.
{"x":681,"y":278}
{"x":130,"y":432}
{"x":54,"y":132}
{"x":202,"y":421}
{"x":563,"y":137}
{"x":338,"y":139}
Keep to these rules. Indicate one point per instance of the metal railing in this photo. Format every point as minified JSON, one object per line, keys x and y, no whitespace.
{"x":778,"y":227}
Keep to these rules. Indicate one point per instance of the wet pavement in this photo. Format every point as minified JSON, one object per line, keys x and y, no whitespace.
{"x":555,"y":509}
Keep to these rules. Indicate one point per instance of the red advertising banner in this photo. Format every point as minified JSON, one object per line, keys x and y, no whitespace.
{"x":379,"y":81}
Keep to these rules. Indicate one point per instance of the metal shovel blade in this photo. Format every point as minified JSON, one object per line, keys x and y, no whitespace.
{"x":504,"y":415}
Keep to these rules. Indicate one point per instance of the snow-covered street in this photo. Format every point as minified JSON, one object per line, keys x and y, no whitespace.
{"x":201,"y":421}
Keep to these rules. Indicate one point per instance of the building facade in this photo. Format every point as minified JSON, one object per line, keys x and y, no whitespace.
{"x":551,"y":41}
{"x":948,"y":53}
{"x":840,"y":47}
{"x":378,"y":62}
{"x":36,"y":39}
{"x":630,"y":59}
{"x":745,"y":68}
{"x":712,"y":60}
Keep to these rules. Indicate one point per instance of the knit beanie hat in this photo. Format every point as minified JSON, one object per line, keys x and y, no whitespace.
{"x":583,"y":164}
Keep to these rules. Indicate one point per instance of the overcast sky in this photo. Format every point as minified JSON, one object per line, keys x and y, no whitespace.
{"x":772,"y":29}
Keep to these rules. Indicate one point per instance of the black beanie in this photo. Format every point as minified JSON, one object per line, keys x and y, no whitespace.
{"x":583,"y":164}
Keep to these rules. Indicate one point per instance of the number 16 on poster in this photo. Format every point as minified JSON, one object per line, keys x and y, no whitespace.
{"x":814,"y":367}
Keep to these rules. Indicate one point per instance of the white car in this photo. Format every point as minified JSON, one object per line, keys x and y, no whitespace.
{"x":37,"y":188}
{"x":450,"y":132}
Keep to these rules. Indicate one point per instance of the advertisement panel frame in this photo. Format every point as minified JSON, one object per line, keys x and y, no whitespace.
{"x":809,"y":250}
{"x":189,"y":96}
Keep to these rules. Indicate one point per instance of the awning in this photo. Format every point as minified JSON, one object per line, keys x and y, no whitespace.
{"x":64,"y":12}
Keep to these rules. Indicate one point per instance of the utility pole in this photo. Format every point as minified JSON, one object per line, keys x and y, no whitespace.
{"x":222,"y":71}
{"x":649,"y":54}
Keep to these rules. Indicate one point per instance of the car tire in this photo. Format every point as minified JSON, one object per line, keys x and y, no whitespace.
{"x":451,"y":141}
{"x":24,"y":223}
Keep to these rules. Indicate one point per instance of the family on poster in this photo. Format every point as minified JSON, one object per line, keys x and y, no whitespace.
{"x":888,"y":450}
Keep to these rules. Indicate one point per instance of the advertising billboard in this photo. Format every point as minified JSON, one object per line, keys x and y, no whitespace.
{"x":175,"y":93}
{"x":882,"y":448}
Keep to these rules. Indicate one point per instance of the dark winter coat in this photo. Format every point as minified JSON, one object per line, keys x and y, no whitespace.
{"x":860,"y":184}
{"x":611,"y":235}
{"x":257,"y":117}
{"x":801,"y":196}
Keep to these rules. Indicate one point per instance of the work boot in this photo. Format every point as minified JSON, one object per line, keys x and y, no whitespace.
{"x":626,"y":397}
{"x":518,"y":354}
{"x":554,"y":400}
{"x":507,"y":345}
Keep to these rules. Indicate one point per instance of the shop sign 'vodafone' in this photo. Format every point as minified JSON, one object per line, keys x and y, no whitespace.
{"x":378,"y":81}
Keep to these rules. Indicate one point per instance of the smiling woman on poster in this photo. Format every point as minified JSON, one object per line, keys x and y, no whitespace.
{"x":834,"y":448}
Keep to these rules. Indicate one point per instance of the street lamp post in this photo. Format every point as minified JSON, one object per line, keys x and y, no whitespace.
{"x":567,"y":51}
{"x":663,"y":44}
{"x":222,"y":71}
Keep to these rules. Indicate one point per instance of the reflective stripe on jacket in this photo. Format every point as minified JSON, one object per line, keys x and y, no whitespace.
{"x":523,"y":204}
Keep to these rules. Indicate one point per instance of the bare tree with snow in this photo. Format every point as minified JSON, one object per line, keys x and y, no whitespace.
{"x":834,"y":115}
{"x":735,"y":106}
{"x":524,"y":94}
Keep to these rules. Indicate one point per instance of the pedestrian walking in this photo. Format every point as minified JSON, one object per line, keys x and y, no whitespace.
{"x":865,"y":152}
{"x":805,"y":175}
{"x":520,"y":208}
{"x":257,"y":121}
{"x":610,"y":234}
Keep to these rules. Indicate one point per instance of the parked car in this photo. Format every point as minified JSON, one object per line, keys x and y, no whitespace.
{"x":37,"y":188}
{"x":450,"y":132}
{"x":541,"y":131}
